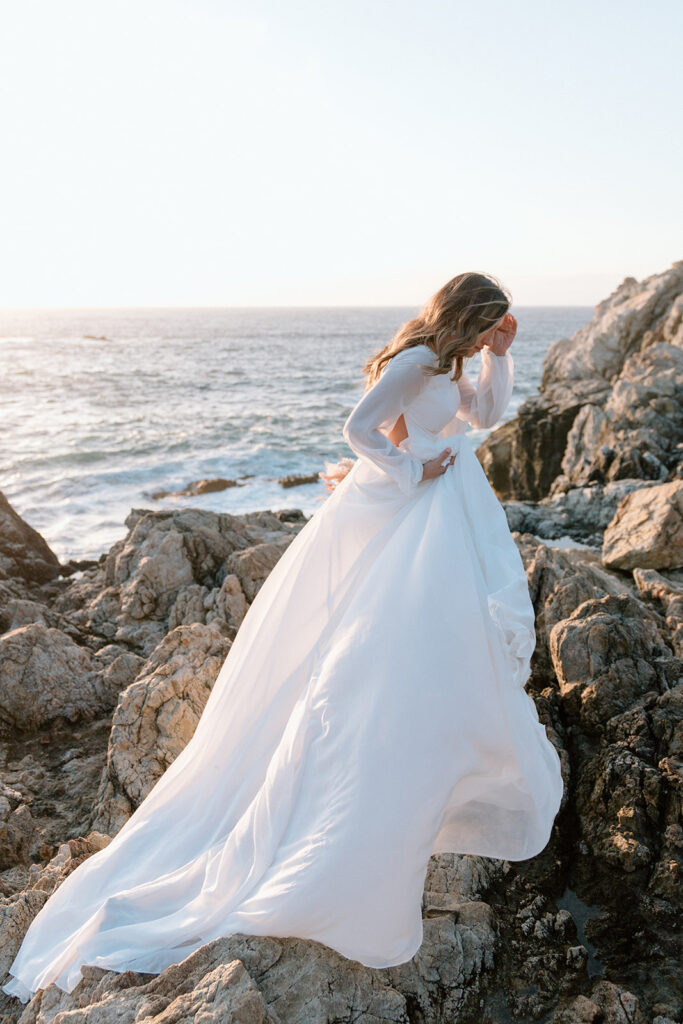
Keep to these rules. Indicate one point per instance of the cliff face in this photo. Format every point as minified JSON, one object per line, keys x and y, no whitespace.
{"x":105,"y":668}
{"x":610,"y":401}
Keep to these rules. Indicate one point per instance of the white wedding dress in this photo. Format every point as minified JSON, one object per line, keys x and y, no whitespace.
{"x":371,"y":712}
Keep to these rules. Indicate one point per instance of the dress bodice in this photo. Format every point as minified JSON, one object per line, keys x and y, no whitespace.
{"x":434,"y":408}
{"x":436,"y":403}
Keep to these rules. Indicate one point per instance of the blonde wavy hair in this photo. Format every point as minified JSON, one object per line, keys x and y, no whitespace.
{"x":463,"y":308}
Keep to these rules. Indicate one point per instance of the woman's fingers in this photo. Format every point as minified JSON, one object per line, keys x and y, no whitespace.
{"x":438,"y":465}
{"x":445,"y":459}
{"x":448,"y":462}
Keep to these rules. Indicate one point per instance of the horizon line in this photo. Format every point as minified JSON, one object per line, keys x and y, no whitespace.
{"x":540,"y":305}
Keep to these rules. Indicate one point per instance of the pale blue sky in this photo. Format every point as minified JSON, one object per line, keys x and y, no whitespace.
{"x":208,"y":152}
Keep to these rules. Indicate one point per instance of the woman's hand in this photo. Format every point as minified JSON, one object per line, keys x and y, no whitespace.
{"x":335,"y":472}
{"x":437,"y":466}
{"x":503,"y":336}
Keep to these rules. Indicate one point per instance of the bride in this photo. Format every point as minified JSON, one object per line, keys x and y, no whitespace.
{"x":370,"y":713}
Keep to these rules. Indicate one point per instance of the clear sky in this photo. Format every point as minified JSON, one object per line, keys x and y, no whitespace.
{"x":334,"y":152}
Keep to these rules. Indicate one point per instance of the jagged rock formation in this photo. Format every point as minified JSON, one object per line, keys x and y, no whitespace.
{"x":155,"y":718}
{"x":609,"y":405}
{"x":170,"y":570}
{"x":24,"y":554}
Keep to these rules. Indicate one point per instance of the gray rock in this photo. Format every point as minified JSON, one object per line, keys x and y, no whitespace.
{"x":646,"y":530}
{"x":609,"y":404}
{"x":44,"y":675}
{"x":24,"y":554}
{"x":155,"y":718}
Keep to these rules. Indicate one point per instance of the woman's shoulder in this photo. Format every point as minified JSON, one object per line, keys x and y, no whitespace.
{"x":415,"y":354}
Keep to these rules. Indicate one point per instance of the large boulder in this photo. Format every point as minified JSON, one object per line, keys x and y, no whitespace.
{"x":636,"y":433}
{"x":637,"y":314}
{"x":622,"y":694}
{"x":44,"y":675}
{"x":171,"y":570}
{"x":607,"y":654}
{"x":560,"y":580}
{"x":608,"y":406}
{"x":155,"y":719}
{"x":24,"y":553}
{"x":646,"y":531}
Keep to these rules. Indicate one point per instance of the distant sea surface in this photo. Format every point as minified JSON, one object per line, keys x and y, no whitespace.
{"x":100,"y":408}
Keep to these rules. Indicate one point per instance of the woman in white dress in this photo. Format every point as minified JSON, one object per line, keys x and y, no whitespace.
{"x":371,"y":710}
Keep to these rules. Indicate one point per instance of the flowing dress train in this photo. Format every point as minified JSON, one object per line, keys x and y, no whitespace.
{"x":371,"y":712}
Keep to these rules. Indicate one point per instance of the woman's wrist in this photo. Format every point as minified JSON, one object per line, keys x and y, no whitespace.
{"x":495,"y":352}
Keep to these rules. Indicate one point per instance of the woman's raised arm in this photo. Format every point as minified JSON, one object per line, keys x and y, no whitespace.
{"x":483,"y":405}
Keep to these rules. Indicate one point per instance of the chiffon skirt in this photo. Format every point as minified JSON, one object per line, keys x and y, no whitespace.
{"x":371,"y":712}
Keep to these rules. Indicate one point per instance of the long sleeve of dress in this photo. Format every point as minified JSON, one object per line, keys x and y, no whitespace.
{"x":483,"y":405}
{"x":401,"y":381}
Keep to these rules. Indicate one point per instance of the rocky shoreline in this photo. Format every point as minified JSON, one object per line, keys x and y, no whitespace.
{"x":105,"y":667}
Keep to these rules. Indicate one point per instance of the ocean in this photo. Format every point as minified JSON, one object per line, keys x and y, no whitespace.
{"x":102,"y":408}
